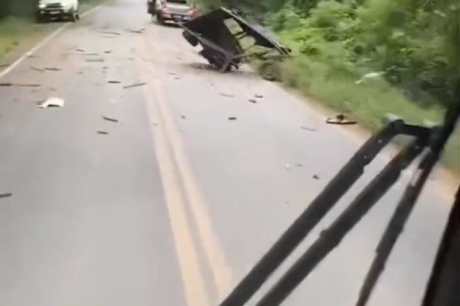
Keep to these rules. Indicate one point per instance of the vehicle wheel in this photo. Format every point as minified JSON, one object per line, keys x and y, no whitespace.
{"x":190,"y":38}
{"x":160,"y":19}
{"x":74,"y":15}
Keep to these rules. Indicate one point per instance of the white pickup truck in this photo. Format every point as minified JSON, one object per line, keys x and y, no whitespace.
{"x":54,"y":9}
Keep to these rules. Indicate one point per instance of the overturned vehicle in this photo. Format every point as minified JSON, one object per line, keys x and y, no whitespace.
{"x":229,"y":40}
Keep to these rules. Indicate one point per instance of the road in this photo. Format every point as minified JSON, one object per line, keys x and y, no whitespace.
{"x":174,"y":202}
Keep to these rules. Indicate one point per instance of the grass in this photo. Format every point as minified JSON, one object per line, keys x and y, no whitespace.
{"x":14,"y":32}
{"x":17,"y":32}
{"x":368,"y":102}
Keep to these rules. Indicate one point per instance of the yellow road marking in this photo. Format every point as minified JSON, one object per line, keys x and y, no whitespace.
{"x":215,"y":256}
{"x":192,"y":277}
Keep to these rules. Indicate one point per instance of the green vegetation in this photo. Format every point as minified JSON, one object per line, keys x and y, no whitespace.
{"x":370,"y":57}
{"x":17,"y":24}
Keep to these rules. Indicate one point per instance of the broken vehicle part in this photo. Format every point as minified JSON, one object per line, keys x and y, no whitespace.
{"x":6,"y":195}
{"x":227,"y":39}
{"x":9,"y":84}
{"x":341,"y":119}
{"x":51,"y":102}
{"x":110,"y":119}
{"x":135,"y":85}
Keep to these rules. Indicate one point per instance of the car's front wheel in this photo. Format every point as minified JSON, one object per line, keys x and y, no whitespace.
{"x":160,"y":19}
{"x":74,"y":15}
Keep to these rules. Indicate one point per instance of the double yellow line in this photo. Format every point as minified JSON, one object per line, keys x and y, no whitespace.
{"x":182,"y":195}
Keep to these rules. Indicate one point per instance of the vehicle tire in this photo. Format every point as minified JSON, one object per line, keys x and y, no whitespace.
{"x":73,"y":15}
{"x":160,"y":19}
{"x":190,"y":38}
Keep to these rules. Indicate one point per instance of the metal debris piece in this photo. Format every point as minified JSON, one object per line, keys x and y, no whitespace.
{"x":51,"y":102}
{"x":232,"y":118}
{"x":113,"y":82}
{"x":340,"y":119}
{"x":52,"y":69}
{"x":109,"y":33}
{"x":9,"y":84}
{"x":183,"y":117}
{"x":103,"y":132}
{"x":110,"y":119}
{"x":94,"y":60}
{"x":306,"y":128}
{"x":222,"y":34}
{"x":108,"y":51}
{"x":370,"y":76}
{"x":316,"y":177}
{"x":136,"y":31}
{"x":80,"y":50}
{"x":6,"y":195}
{"x":253,"y":101}
{"x":26,"y":85}
{"x":257,"y":96}
{"x":135,"y":85}
{"x":227,"y":95}
{"x":37,"y":69}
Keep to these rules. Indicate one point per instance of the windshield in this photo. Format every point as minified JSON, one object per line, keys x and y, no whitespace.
{"x":229,"y":152}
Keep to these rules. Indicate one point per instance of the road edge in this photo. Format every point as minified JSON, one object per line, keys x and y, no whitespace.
{"x":42,"y":43}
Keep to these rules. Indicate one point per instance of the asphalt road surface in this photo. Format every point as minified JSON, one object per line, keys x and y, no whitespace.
{"x":173,"y":203}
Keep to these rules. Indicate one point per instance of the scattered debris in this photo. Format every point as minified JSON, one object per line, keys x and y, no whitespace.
{"x":370,"y":76}
{"x":316,"y":177}
{"x":232,"y":118}
{"x":80,"y":50}
{"x":103,"y":132}
{"x":253,"y":101}
{"x":6,"y":195}
{"x":8,"y":84}
{"x":183,"y":117}
{"x":306,"y":128}
{"x":136,"y":31}
{"x":135,"y":85}
{"x":227,"y":95}
{"x":113,"y":82}
{"x":177,"y":78}
{"x":299,"y":165}
{"x":340,"y":119}
{"x":94,"y":60}
{"x":257,"y":96}
{"x":110,"y":119}
{"x":51,"y":102}
{"x":109,"y":33}
{"x":91,"y":54}
{"x":108,"y":51}
{"x":52,"y":69}
{"x":37,"y":69}
{"x":27,"y":85}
